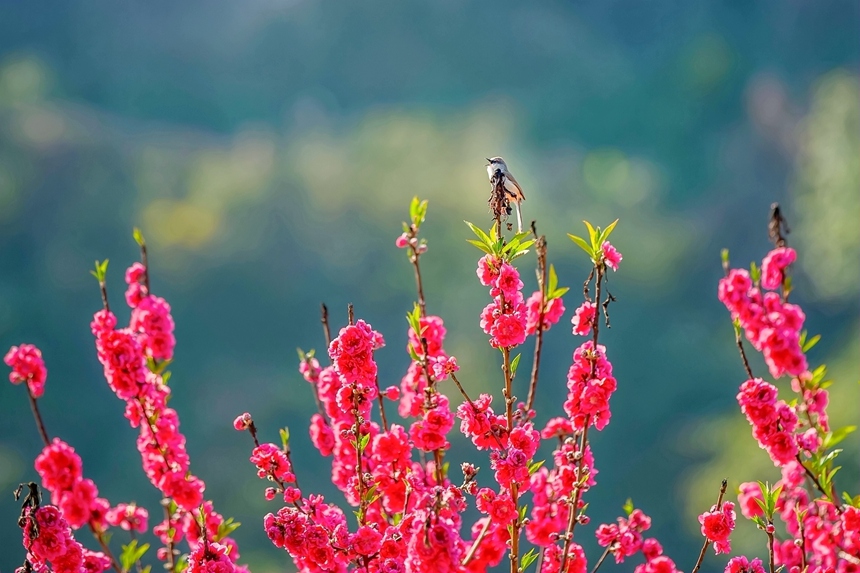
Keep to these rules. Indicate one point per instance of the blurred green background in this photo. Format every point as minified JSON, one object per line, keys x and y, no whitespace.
{"x":268,"y":150}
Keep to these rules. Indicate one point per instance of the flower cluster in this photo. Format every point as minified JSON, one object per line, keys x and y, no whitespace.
{"x":133,"y":359}
{"x":773,"y":420}
{"x":60,"y":468}
{"x":717,"y":526}
{"x":27,"y":366}
{"x":590,"y":386}
{"x":52,"y":547}
{"x":506,"y":318}
{"x":771,"y":324}
{"x":821,"y":532}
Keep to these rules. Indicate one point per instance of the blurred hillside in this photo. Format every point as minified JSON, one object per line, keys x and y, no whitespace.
{"x":268,"y":150}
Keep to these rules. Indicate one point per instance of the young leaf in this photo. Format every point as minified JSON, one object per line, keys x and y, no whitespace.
{"x":628,"y":506}
{"x":552,"y":284}
{"x":582,"y":245}
{"x":604,"y":236}
{"x":131,"y":554}
{"x":480,"y":245}
{"x":755,"y":273}
{"x":514,"y":364}
{"x":724,"y":256}
{"x":285,"y":437}
{"x":592,"y":237}
{"x":807,"y":345}
{"x":836,"y":436}
{"x":138,"y":237}
{"x":528,"y":559}
{"x":535,"y":466}
{"x":481,"y":235}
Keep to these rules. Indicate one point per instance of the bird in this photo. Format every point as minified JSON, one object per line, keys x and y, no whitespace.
{"x":512,"y":188}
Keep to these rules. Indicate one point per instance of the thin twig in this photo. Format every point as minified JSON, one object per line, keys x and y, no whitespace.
{"x":326,"y":327}
{"x":601,"y":560}
{"x":740,"y":344}
{"x":540,"y":248}
{"x":104,"y":546}
{"x":477,"y":542}
{"x":40,"y":424}
{"x":830,"y":496}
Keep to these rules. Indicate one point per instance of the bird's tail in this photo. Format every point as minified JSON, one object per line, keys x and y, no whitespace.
{"x":519,"y":218}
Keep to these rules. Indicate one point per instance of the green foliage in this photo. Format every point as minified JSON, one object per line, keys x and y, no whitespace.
{"x":226,"y":527}
{"x":528,"y":559}
{"x":285,"y":438}
{"x":131,"y":554}
{"x":596,"y":237}
{"x":101,"y":270}
{"x":492,"y":244}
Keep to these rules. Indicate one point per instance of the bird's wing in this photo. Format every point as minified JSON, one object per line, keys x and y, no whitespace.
{"x":517,"y":191}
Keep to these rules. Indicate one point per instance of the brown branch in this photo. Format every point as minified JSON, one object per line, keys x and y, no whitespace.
{"x":40,"y":424}
{"x":477,"y":542}
{"x":708,"y":541}
{"x":740,"y":344}
{"x":830,"y":496}
{"x":326,"y":327}
{"x":350,"y":312}
{"x":541,"y":255}
{"x":99,"y":535}
{"x":577,"y":493}
{"x":171,"y":551}
{"x":601,"y":560}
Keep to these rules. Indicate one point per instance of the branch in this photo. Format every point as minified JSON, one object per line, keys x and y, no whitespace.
{"x":708,"y":541}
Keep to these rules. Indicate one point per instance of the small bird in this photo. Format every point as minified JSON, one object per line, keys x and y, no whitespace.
{"x":512,"y":188}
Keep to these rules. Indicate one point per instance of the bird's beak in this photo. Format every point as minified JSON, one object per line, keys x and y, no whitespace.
{"x":488,"y":160}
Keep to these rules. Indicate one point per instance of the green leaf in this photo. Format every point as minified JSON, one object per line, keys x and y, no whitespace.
{"x":528,"y":559}
{"x":807,"y":345}
{"x":131,"y":554}
{"x":413,"y":354}
{"x":552,"y":285}
{"x":138,"y":237}
{"x":592,"y":237}
{"x":481,"y":234}
{"x":558,"y":293}
{"x":514,"y":364}
{"x":724,"y":256}
{"x":480,"y":245}
{"x":582,"y":245}
{"x":226,"y":527}
{"x":535,"y":466}
{"x":755,"y":273}
{"x":628,"y":506}
{"x":362,"y":444}
{"x":285,"y":437}
{"x":604,"y":236}
{"x":836,"y":436}
{"x":523,"y":511}
{"x":101,"y":270}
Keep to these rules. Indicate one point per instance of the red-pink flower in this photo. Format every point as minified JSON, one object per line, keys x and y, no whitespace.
{"x":27,"y":366}
{"x":583,"y":318}
{"x":611,"y":256}
{"x":741,"y":564}
{"x":773,"y":267}
{"x":129,"y":517}
{"x":717,"y":526}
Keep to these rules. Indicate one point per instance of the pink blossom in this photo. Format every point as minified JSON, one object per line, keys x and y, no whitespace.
{"x":553,"y":311}
{"x":773,"y":267}
{"x":741,"y":564}
{"x":717,"y":525}
{"x":583,"y":318}
{"x":610,"y":255}
{"x":27,"y":366}
{"x":508,"y":330}
{"x":129,"y":517}
{"x":402,"y":241}
{"x":242,"y":422}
